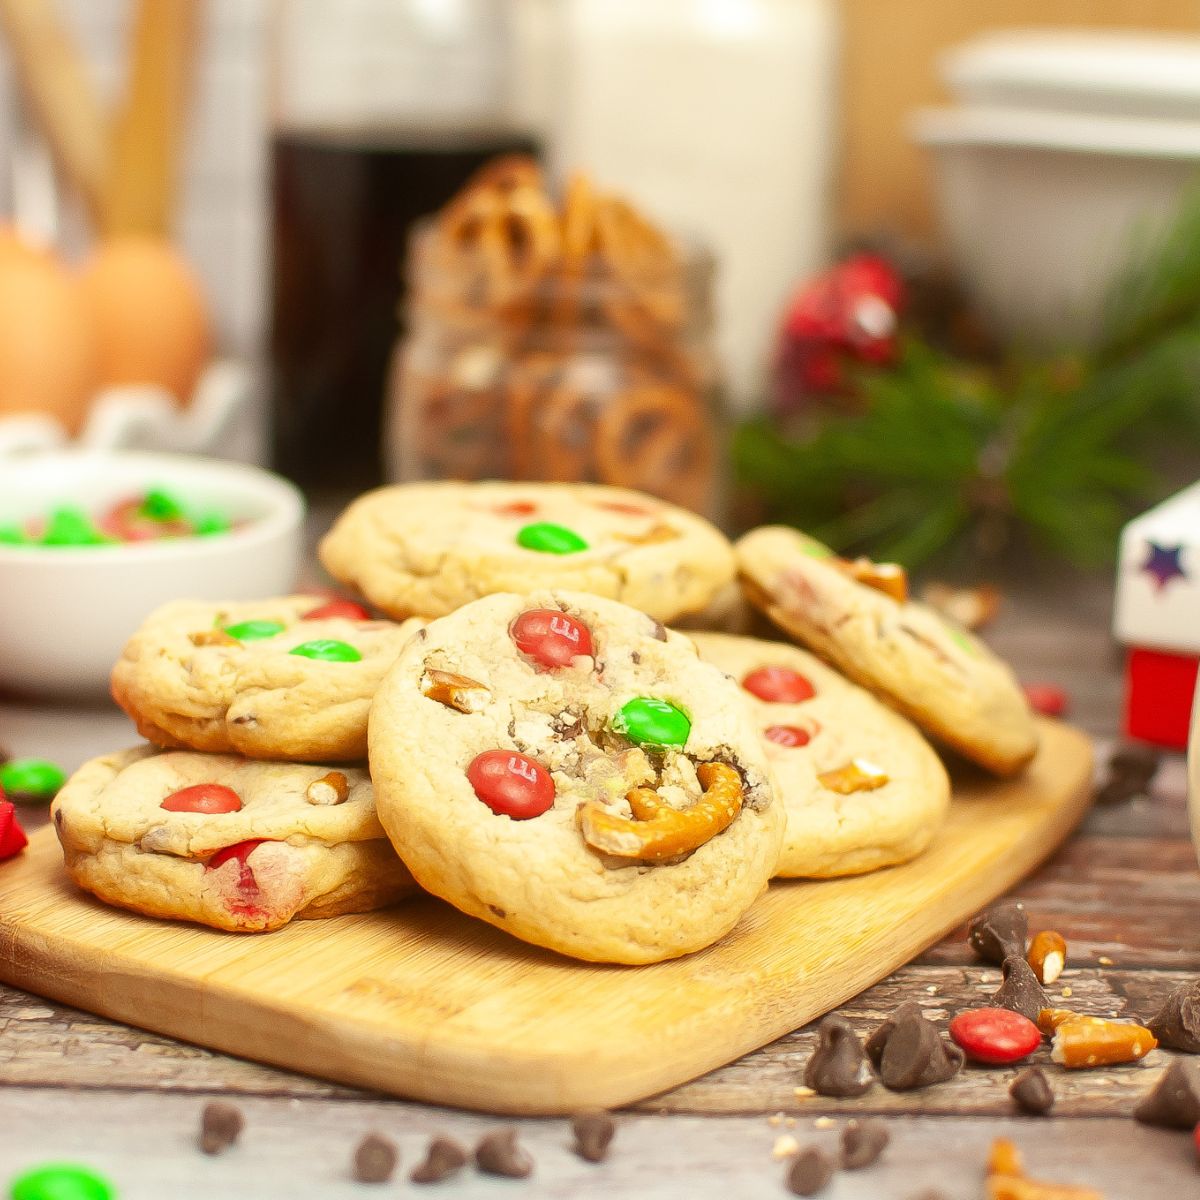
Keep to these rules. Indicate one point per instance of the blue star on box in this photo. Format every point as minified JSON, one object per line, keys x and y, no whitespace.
{"x":1162,"y":564}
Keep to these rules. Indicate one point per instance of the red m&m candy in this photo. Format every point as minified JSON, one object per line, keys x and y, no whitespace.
{"x":995,"y":1035}
{"x":239,"y":851}
{"x":779,"y":685}
{"x":12,"y":836}
{"x":788,"y":735}
{"x":203,"y":798}
{"x":337,"y":608}
{"x":551,"y":637}
{"x":511,"y":784}
{"x":516,"y":508}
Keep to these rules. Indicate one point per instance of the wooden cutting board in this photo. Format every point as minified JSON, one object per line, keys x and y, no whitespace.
{"x":425,"y":1003}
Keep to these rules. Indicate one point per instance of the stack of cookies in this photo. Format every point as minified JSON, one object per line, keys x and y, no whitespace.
{"x":544,"y":753}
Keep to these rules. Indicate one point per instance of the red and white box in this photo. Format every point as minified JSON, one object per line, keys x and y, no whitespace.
{"x":1157,"y":618}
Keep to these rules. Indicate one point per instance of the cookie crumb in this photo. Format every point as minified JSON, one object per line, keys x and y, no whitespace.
{"x":1067,"y":993}
{"x":499,"y":1153}
{"x":445,"y":1157}
{"x":825,"y":1123}
{"x":593,"y":1129}
{"x":785,"y":1146}
{"x":1104,"y":960}
{"x":803,"y":1093}
{"x":375,"y":1159}
{"x":221,"y":1124}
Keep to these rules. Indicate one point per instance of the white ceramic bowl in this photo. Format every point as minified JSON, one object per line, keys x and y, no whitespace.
{"x":65,"y":612}
{"x":1040,"y":208}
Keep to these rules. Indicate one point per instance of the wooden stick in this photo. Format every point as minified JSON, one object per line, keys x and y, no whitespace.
{"x":147,"y":134}
{"x":60,"y":96}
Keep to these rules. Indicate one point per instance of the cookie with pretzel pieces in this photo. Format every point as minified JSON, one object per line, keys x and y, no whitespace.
{"x":290,"y":678}
{"x":567,"y":769}
{"x":239,"y":845}
{"x":861,"y":787}
{"x":856,"y":615}
{"x":426,"y":548}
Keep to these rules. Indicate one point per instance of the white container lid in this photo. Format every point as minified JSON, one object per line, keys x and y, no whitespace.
{"x":1081,"y":133}
{"x":1079,"y":71}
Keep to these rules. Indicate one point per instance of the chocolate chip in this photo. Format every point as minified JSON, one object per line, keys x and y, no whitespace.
{"x":1020,"y":990}
{"x":1174,"y":1101}
{"x":862,"y":1143}
{"x":999,"y":931}
{"x":909,"y":1052}
{"x":375,"y":1159}
{"x":497,"y":911}
{"x":1177,"y":1023}
{"x":445,"y":1157}
{"x":658,"y":630}
{"x":1131,"y":769}
{"x":809,"y":1171}
{"x":838,"y":1066}
{"x":220,"y":1126}
{"x":1031,"y":1091}
{"x":635,"y":658}
{"x":593,"y":1129}
{"x":498,"y":1153}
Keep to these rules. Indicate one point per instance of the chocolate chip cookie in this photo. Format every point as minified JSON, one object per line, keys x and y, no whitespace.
{"x":862,"y":789}
{"x":426,"y":549}
{"x":289,"y":679}
{"x":566,"y":768}
{"x":225,"y":841}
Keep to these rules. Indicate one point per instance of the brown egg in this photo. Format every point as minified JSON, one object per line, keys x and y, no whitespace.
{"x":150,"y":315}
{"x":47,"y":343}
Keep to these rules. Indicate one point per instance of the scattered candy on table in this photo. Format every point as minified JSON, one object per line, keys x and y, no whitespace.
{"x":61,"y":1181}
{"x":31,"y":780}
{"x":995,"y":1036}
{"x":12,"y":836}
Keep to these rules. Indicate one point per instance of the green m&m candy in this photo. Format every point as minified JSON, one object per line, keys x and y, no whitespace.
{"x":210,"y":523}
{"x":31,"y":780}
{"x":160,"y":505}
{"x":61,"y":1181}
{"x":253,"y":631}
{"x":651,"y":722}
{"x":548,"y":538}
{"x":328,"y":650}
{"x":12,"y":535}
{"x":72,"y":527}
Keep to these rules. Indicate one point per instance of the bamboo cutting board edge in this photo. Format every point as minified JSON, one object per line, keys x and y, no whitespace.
{"x":424,"y":1003}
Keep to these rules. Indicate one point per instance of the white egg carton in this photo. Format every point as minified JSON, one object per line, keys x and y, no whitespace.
{"x":145,"y":418}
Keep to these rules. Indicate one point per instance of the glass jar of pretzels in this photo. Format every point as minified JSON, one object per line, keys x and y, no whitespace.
{"x":546,"y":341}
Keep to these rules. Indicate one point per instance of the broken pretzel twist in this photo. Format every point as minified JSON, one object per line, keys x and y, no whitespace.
{"x":658,"y":831}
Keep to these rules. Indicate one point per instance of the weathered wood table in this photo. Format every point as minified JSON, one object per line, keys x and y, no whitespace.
{"x":1125,"y":892}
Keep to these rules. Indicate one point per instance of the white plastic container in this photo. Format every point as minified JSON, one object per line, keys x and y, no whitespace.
{"x":65,"y":612}
{"x":1040,"y":208}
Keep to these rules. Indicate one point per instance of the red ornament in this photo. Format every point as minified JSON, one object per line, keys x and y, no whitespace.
{"x":849,"y":314}
{"x":551,"y":637}
{"x":779,"y":685}
{"x":511,"y":784}
{"x":12,"y":836}
{"x":788,"y":735}
{"x":1046,"y":698}
{"x":208,"y":798}
{"x":337,"y":608}
{"x":995,"y":1036}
